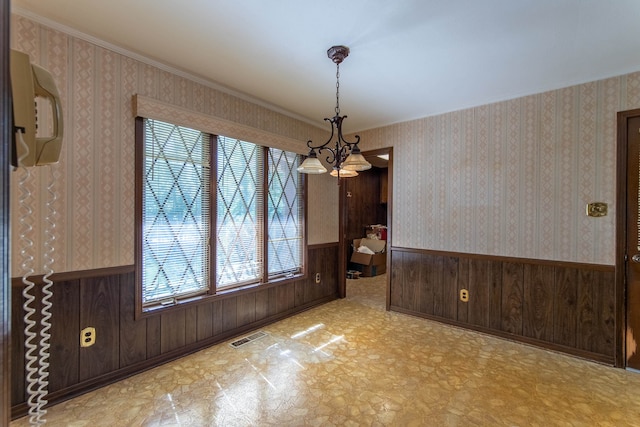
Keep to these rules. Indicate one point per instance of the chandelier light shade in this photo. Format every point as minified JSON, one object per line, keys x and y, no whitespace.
{"x":312,"y":165}
{"x":343,"y":173}
{"x":344,"y":156}
{"x":356,"y":161}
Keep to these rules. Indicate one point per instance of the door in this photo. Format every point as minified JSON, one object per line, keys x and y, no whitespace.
{"x":629,"y":127}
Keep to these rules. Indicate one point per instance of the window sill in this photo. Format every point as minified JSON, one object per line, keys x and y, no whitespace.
{"x":220,"y":295}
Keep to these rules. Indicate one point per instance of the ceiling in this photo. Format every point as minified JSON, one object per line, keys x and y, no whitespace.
{"x":409,"y":58}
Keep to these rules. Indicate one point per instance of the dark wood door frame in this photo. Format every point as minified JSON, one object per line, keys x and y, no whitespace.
{"x":342,"y":212}
{"x":5,"y":282}
{"x":342,"y":237}
{"x":622,"y":167}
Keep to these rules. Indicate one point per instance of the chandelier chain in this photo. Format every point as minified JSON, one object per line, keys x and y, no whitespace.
{"x":338,"y":89}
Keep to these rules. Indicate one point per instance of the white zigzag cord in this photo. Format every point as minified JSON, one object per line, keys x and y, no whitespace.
{"x":33,"y":365}
{"x":26,"y":245}
{"x":47,"y":294}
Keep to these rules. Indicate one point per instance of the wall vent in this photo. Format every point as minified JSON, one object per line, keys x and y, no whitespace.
{"x":245,"y":340}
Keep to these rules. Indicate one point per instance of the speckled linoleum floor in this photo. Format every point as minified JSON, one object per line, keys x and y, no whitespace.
{"x":350,"y":363}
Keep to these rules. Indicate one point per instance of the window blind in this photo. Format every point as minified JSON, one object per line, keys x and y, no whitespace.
{"x":239,"y":257}
{"x":175,"y":222}
{"x":285,"y":214}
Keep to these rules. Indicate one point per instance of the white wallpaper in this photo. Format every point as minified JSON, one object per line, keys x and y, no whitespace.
{"x":94,"y":220}
{"x":512,"y":178}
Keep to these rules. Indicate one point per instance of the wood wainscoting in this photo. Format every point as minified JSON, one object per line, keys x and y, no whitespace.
{"x":104,"y":299}
{"x":568,"y":307}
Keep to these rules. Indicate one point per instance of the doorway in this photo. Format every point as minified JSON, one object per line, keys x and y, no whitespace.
{"x":628,"y":240}
{"x":366,"y":200}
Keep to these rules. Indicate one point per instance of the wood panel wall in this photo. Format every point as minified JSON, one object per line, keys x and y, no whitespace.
{"x":364,"y":206}
{"x":562,"y":306}
{"x":124,"y":346}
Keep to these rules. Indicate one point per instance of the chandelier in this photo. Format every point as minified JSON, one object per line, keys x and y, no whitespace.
{"x":345,"y":157}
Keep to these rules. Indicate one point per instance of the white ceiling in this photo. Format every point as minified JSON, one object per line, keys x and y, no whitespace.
{"x":409,"y":58}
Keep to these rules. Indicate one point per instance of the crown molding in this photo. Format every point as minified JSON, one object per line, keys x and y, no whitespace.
{"x":170,"y":69}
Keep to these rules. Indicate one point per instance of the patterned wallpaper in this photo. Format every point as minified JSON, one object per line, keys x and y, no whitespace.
{"x":512,"y":178}
{"x":94,"y":219}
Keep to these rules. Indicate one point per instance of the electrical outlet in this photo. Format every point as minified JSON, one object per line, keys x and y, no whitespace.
{"x":87,"y":337}
{"x":317,"y":277}
{"x":464,"y":295}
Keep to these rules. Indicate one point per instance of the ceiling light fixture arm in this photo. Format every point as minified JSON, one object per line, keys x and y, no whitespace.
{"x":343,"y":148}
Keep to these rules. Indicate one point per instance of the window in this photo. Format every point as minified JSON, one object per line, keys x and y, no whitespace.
{"x":175,"y":212}
{"x":242,"y":222}
{"x":240,"y":213}
{"x":285,"y":214}
{"x":216,"y":213}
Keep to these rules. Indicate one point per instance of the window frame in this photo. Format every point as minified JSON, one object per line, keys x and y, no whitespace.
{"x":265,"y":282}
